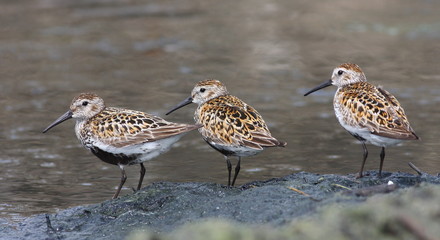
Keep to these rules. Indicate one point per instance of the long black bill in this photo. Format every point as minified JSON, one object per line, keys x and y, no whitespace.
{"x":324,"y":85}
{"x":64,"y":117}
{"x":182,"y":104}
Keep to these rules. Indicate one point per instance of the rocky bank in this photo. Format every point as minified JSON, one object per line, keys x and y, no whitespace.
{"x":301,"y":205}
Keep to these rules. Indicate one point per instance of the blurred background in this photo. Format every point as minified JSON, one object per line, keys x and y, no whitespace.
{"x":147,"y":55}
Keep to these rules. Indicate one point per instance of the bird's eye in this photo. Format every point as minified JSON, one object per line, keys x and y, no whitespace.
{"x":85,"y":103}
{"x":202,"y":89}
{"x":340,"y":72}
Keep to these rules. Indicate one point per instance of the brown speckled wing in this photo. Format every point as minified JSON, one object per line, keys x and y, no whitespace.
{"x":365,"y":105}
{"x":121,"y":127}
{"x":227,"y":120}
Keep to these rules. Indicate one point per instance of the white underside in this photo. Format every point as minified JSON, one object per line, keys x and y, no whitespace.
{"x":366,"y":134}
{"x":372,"y":138}
{"x":145,"y":151}
{"x":238,"y":151}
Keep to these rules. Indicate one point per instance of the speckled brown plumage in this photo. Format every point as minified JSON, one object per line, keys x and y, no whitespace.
{"x":369,"y":113}
{"x":121,"y":136}
{"x":363,"y":105}
{"x":229,"y":125}
{"x":122,"y":127}
{"x":227,"y":120}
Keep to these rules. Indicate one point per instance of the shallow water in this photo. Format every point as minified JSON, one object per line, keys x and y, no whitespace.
{"x":147,"y":55}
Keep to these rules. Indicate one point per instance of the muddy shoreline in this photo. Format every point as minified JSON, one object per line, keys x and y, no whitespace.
{"x":164,"y":207}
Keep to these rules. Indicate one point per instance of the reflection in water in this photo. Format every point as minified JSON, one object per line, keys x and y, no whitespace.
{"x":148,"y":55}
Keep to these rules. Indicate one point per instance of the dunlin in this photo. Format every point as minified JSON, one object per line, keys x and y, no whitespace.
{"x":369,"y":113}
{"x":229,"y":125}
{"x":120,"y":136}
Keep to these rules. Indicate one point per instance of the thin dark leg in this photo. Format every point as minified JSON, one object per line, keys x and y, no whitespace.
{"x":382,"y":157}
{"x":364,"y":160}
{"x":237,"y":170}
{"x":141,"y":179}
{"x":229,"y":165}
{"x":123,"y":178}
